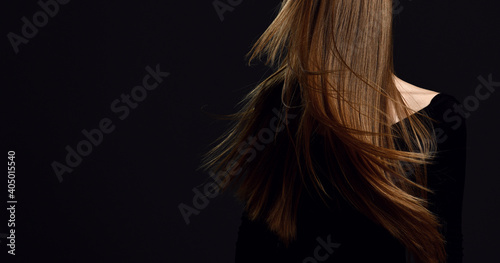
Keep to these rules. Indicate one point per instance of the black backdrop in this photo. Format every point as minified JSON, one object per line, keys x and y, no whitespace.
{"x":79,"y":66}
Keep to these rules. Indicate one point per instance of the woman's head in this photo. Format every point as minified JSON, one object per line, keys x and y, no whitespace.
{"x":341,"y":54}
{"x":313,"y":31}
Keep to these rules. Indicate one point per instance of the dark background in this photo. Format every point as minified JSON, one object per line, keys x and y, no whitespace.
{"x":120,"y":204}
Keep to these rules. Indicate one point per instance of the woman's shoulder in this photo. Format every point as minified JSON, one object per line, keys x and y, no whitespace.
{"x":447,"y":112}
{"x":434,"y":103}
{"x":416,"y":98}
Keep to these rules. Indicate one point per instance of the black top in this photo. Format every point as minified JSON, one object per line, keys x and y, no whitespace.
{"x":344,"y":234}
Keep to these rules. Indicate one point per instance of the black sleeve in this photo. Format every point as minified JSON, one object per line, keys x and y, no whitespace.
{"x":446,"y":176}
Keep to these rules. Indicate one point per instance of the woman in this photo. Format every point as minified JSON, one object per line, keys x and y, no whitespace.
{"x":334,"y":157}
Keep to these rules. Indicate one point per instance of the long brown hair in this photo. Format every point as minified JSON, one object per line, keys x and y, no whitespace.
{"x":335,"y":71}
